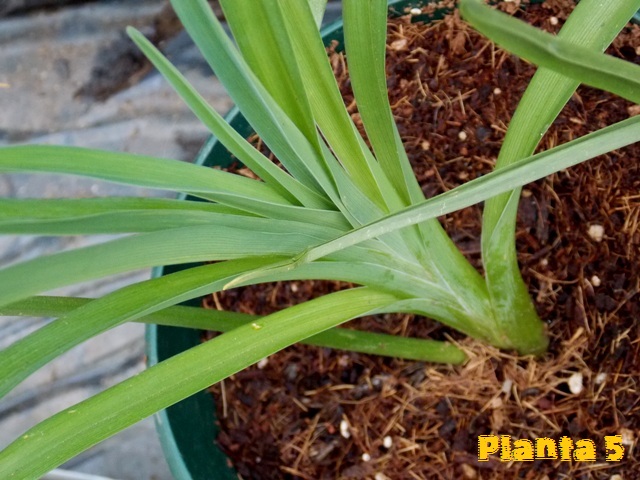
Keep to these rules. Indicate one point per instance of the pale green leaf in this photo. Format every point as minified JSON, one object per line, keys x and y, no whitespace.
{"x":499,"y":181}
{"x":132,"y":302}
{"x":568,"y":58}
{"x":328,"y":107}
{"x":261,"y":36}
{"x":318,"y":8}
{"x":593,"y":24}
{"x":25,"y":356}
{"x":241,"y":237}
{"x":277,"y":131}
{"x":105,"y":215}
{"x":365,"y":36}
{"x":284,"y":184}
{"x":75,"y":429}
{"x":223,"y":187}
{"x":365,"y":42}
{"x":416,"y":349}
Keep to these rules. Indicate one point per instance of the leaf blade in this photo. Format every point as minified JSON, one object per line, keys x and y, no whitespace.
{"x":150,"y":172}
{"x":73,"y":430}
{"x":416,"y":349}
{"x":592,"y":24}
{"x":261,"y":111}
{"x":571,"y":59}
{"x":28,"y":354}
{"x":515,"y":175}
{"x":242,"y":238}
{"x":105,"y":215}
{"x":283,"y":183}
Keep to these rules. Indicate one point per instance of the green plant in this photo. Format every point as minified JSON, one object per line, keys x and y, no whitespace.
{"x":339,"y":211}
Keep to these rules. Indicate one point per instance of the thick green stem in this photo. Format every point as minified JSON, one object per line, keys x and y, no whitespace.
{"x":593,"y":24}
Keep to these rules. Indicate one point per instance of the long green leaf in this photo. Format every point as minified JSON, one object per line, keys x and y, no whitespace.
{"x":277,"y":131}
{"x":480,"y":189}
{"x":365,"y":36}
{"x":132,"y":302}
{"x":25,"y":356}
{"x":105,"y":215}
{"x":581,"y":63}
{"x":260,"y":34}
{"x":328,"y":107}
{"x":143,"y":171}
{"x":284,"y":184}
{"x":71,"y":431}
{"x":222,"y":321}
{"x":365,"y":42}
{"x":267,"y":46}
{"x":593,"y":24}
{"x":226,"y":188}
{"x":340,"y":132}
{"x":247,"y":237}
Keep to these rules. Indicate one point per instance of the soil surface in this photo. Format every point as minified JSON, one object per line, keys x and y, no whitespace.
{"x":315,"y":413}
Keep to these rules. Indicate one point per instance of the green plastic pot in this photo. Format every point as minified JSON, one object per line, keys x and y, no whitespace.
{"x":188,"y":429}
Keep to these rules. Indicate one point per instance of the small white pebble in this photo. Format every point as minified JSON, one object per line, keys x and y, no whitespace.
{"x":544,"y":262}
{"x":387,"y":442}
{"x":553,"y":20}
{"x":615,"y":476}
{"x":366,"y":457}
{"x":425,"y":145}
{"x":343,"y":361}
{"x":398,"y":44}
{"x":628,"y":437}
{"x":380,"y":476}
{"x":462,"y":135}
{"x":506,"y":386}
{"x":600,"y":378}
{"x":469,"y":472}
{"x":595,"y":281}
{"x":497,"y":91}
{"x":294,"y":287}
{"x":415,"y":11}
{"x":258,"y":459}
{"x":344,"y":429}
{"x":575,"y":383}
{"x":263,"y":363}
{"x":596,"y":232}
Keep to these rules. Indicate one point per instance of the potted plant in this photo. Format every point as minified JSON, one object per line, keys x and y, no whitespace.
{"x":337,"y":210}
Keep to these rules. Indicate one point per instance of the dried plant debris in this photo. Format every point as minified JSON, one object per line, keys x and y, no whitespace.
{"x":314,"y":413}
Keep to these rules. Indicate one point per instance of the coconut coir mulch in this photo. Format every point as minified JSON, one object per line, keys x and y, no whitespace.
{"x":315,"y":413}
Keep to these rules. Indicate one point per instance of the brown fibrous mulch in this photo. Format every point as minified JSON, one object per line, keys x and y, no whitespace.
{"x":315,"y":413}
